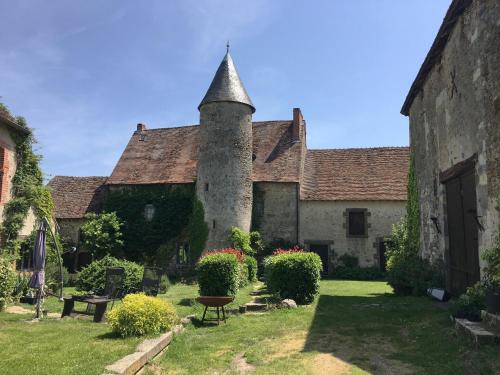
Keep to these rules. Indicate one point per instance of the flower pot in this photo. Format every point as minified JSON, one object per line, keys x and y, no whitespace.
{"x":492,"y":301}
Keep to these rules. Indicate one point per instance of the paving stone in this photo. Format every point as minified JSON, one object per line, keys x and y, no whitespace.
{"x":254,"y":306}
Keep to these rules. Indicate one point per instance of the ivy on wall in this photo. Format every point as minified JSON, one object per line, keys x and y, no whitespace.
{"x":178,"y":217}
{"x":28,"y":190}
{"x":412,"y":209}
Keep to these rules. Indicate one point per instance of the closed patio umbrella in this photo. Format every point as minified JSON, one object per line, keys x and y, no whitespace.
{"x":37,"y":280}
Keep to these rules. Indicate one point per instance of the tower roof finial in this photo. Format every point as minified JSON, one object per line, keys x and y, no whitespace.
{"x":227,"y":47}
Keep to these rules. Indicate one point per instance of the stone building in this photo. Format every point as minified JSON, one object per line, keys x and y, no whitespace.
{"x":454,"y":112}
{"x":8,"y":162}
{"x":260,"y":175}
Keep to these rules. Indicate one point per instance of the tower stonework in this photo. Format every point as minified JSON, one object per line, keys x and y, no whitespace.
{"x":224,"y":180}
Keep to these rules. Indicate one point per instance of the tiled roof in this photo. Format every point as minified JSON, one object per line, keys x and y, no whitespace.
{"x":356,"y":174}
{"x":170,"y":155}
{"x":75,"y":196}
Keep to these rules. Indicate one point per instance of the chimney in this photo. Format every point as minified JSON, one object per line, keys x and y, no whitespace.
{"x":298,"y":121}
{"x":141,"y":127}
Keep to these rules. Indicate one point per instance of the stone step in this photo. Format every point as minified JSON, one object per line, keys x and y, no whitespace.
{"x":491,"y":320}
{"x":254,"y":306}
{"x":479,"y":332}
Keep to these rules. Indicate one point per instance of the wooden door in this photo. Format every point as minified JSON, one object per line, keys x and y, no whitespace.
{"x":463,"y":259}
{"x":322,"y":251}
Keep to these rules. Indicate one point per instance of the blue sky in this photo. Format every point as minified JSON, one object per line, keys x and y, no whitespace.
{"x":84,"y":73}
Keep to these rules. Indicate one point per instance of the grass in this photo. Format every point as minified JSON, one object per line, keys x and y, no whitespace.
{"x":73,"y":346}
{"x":353,"y":327}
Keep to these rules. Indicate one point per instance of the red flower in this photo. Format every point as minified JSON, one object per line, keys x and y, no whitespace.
{"x":238,"y":253}
{"x":295,"y":249}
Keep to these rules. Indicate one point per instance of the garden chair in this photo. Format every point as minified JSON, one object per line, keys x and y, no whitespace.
{"x":151,"y":281}
{"x":97,"y":304}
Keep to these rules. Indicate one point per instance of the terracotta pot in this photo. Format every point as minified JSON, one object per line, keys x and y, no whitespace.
{"x":215,"y":301}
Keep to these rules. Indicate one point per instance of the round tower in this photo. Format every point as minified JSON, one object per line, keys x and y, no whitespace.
{"x":224,"y":182}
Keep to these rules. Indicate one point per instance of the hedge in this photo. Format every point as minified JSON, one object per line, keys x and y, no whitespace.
{"x":294,"y":275}
{"x":93,"y":277}
{"x":218,"y":275}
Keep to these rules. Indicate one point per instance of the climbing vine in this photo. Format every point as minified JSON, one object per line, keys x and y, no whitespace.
{"x":28,"y":190}
{"x":178,"y":217}
{"x":412,"y":209}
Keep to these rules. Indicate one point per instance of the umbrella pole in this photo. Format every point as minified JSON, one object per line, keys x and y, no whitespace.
{"x":59,"y":257}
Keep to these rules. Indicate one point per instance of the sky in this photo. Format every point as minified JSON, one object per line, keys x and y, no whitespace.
{"x":85,"y":72}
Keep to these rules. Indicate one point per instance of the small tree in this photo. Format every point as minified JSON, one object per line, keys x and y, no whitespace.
{"x":101,"y":234}
{"x":240,"y":240}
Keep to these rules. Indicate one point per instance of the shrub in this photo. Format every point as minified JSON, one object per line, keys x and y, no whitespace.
{"x":257,"y":243}
{"x":241,"y":240}
{"x":237,"y":253}
{"x":7,"y":281}
{"x":101,"y":234}
{"x":140,"y":315}
{"x":294,"y":275}
{"x":410,"y":275}
{"x":93,"y":277}
{"x":251,"y":264}
{"x":469,"y":305}
{"x":218,"y":275}
{"x":53,"y":276}
{"x":294,"y":249}
{"x":349,"y":261}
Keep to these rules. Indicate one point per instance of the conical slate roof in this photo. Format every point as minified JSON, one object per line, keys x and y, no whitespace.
{"x":227,"y":86}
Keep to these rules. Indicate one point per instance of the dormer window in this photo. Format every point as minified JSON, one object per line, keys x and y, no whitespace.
{"x":149,"y":212}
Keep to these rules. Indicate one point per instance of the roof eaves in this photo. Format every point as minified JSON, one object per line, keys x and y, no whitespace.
{"x":454,"y":12}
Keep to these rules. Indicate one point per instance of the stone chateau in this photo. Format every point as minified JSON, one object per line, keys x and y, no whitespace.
{"x":333,"y":201}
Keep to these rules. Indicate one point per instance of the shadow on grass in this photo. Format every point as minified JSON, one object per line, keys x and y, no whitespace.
{"x":382,"y":333}
{"x":109,"y":336}
{"x":187,"y":302}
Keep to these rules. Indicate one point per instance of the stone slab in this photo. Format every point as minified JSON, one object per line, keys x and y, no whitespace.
{"x":145,"y":351}
{"x":477,"y":331}
{"x":491,"y":320}
{"x":253,"y":306}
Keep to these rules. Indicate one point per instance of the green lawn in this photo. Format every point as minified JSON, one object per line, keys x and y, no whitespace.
{"x":74,"y":346}
{"x":353,"y":327}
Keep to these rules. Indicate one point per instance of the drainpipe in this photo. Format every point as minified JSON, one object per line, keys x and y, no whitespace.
{"x":297,"y":190}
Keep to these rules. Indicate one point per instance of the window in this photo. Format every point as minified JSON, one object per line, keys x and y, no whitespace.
{"x":356,"y":222}
{"x":182,"y":253}
{"x":206,"y":187}
{"x":149,"y":212}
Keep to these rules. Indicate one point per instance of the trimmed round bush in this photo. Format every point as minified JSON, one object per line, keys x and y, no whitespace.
{"x":7,"y":281}
{"x":251,"y":265}
{"x":294,"y":275}
{"x":93,"y":277}
{"x":218,"y":275}
{"x":142,"y":315}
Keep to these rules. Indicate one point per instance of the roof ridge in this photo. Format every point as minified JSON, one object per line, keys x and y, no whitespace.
{"x":264,"y":122}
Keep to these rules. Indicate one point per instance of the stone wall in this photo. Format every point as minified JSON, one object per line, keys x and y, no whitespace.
{"x":275,"y":210}
{"x":224,"y":183}
{"x":8,"y":166}
{"x":456,"y":115}
{"x":324,"y":222}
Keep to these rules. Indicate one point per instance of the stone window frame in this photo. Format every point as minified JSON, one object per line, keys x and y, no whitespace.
{"x":346,"y":222}
{"x":186,"y":247}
